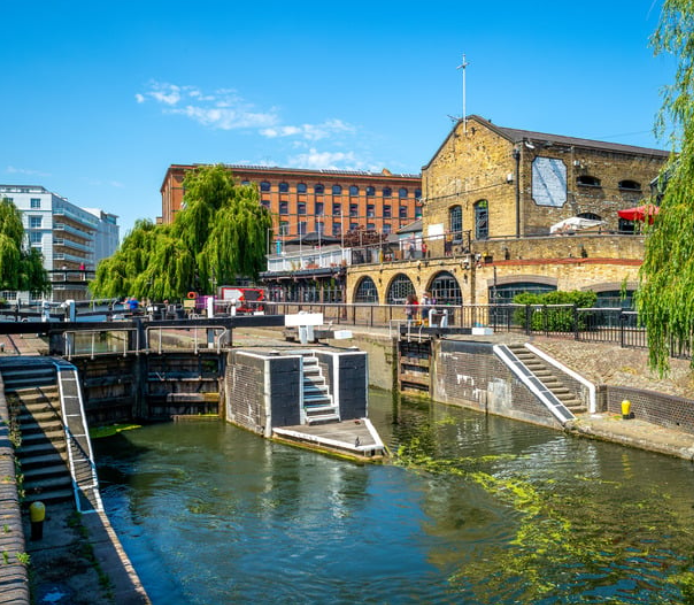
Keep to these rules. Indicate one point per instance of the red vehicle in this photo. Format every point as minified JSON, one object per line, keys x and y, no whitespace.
{"x":247,"y":300}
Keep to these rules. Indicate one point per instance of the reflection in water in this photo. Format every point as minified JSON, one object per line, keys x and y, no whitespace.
{"x":478,"y":510}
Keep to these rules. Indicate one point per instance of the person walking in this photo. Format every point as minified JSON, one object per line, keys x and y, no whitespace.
{"x":411,"y":304}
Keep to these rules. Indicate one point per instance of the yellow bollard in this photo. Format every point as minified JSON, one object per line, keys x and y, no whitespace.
{"x":37,"y":514}
{"x":626,"y":409}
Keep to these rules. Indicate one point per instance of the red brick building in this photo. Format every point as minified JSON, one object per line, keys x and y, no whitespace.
{"x":330,"y":202}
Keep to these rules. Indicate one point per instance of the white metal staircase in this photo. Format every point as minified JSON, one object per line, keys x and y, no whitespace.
{"x":317,"y":402}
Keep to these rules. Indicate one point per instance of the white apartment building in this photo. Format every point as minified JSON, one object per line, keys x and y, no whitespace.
{"x":71,"y":239}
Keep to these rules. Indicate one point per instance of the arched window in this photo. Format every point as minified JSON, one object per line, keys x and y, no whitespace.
{"x":585,"y":180}
{"x":319,"y":189}
{"x":284,"y":187}
{"x":366,"y":291}
{"x":387,"y":192}
{"x":370,"y":191}
{"x":481,"y":219}
{"x":445,"y":289}
{"x":265,"y":186}
{"x":402,"y":192}
{"x":301,"y":188}
{"x":418,"y":194}
{"x":337,"y":189}
{"x":399,"y":289}
{"x":628,"y":185}
{"x":455,"y":223}
{"x":504,"y":293}
{"x":353,"y":190}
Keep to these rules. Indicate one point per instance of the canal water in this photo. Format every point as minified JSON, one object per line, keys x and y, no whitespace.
{"x":472,"y":509}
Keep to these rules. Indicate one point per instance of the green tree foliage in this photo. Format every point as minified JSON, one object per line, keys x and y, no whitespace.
{"x":21,"y":267}
{"x":664,"y":300}
{"x":219,"y":235}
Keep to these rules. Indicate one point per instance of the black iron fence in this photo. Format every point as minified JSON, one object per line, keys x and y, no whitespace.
{"x":600,"y":325}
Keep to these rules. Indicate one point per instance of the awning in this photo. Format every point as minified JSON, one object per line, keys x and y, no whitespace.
{"x":575,"y":223}
{"x":640,"y":213}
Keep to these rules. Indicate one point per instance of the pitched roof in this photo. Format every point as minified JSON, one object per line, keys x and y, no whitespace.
{"x":515,"y":135}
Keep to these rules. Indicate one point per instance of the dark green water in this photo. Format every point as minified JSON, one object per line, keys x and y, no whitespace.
{"x":479,"y":510}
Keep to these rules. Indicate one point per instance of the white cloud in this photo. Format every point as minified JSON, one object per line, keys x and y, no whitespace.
{"x":310,"y":132}
{"x":26,"y":171}
{"x":225,"y":109}
{"x":325,"y":160}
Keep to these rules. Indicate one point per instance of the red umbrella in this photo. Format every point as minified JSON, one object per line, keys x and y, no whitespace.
{"x":640,"y":213}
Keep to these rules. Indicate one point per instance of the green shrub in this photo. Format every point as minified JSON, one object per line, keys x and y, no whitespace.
{"x":544,"y":317}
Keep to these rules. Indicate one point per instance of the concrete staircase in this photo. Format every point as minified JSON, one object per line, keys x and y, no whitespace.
{"x":34,"y":399}
{"x":550,"y":377}
{"x":317,"y":401}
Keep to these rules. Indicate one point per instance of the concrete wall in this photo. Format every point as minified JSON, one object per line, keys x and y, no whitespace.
{"x":469,"y":374}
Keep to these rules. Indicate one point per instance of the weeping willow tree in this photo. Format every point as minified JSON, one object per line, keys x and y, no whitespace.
{"x":21,"y":267}
{"x":218,"y":237}
{"x":666,"y":294}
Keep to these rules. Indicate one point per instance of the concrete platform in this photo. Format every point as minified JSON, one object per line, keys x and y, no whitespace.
{"x":355,"y":437}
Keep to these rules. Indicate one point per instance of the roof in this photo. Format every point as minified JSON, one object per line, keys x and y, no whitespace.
{"x":412,"y":227}
{"x":515,"y":135}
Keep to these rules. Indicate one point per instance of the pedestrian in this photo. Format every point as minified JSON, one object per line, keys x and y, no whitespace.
{"x":411,"y":308}
{"x":412,"y":248}
{"x":424,"y":249}
{"x":425,"y":306}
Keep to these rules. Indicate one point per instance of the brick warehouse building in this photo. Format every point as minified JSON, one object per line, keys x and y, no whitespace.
{"x":491,"y":195}
{"x":330,"y":202}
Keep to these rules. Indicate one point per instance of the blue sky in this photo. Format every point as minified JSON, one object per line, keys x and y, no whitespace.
{"x":100,"y":97}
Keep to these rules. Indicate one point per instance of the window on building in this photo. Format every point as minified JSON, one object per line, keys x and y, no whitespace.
{"x":301,"y":208}
{"x":319,"y":189}
{"x":370,"y":210}
{"x":591,"y":216}
{"x":337,"y":209}
{"x":455,"y":222}
{"x":366,"y":291}
{"x":402,"y":193}
{"x":503,"y":294}
{"x":370,"y":191}
{"x":265,"y":186}
{"x":399,"y":289}
{"x":371,"y":226}
{"x":35,"y":203}
{"x":319,"y":208}
{"x":320,"y":227}
{"x":402,"y":212}
{"x":353,"y":190}
{"x":354,"y":226}
{"x":35,"y":222}
{"x":265,"y":203}
{"x":387,"y":192}
{"x":245,"y":182}
{"x":284,"y":228}
{"x":283,"y":187}
{"x":302,"y":227}
{"x":337,"y":189}
{"x":585,"y":180}
{"x":418,"y":212}
{"x":387,"y":228}
{"x":301,"y":188}
{"x":35,"y":237}
{"x":445,"y":289}
{"x":418,"y":194}
{"x":337,"y":229}
{"x":628,"y":185}
{"x":8,"y":295}
{"x":284,"y":207}
{"x":354,"y":210}
{"x":626,"y":226}
{"x":481,"y":219}
{"x":387,"y":211}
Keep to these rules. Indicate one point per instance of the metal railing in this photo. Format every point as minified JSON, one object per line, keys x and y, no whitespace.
{"x":600,"y":325}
